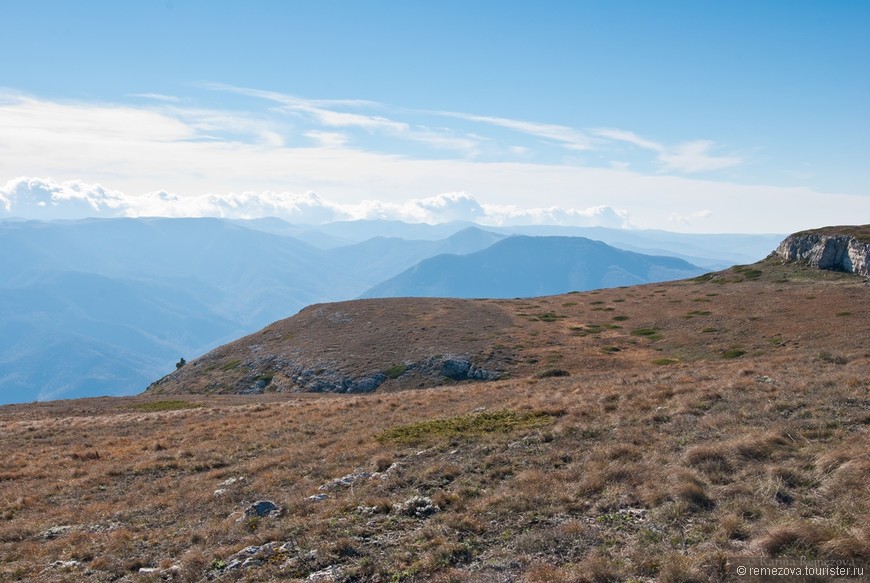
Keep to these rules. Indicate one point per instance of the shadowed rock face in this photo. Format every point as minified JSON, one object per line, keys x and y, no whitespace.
{"x":825,"y":249}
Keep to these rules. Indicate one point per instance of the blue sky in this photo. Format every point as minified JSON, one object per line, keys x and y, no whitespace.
{"x":690,"y":116}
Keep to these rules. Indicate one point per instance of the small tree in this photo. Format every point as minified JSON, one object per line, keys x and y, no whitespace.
{"x":181,"y":362}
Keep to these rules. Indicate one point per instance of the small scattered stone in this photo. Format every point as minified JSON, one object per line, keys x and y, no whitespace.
{"x":327,"y":575}
{"x":345,"y":481}
{"x":249,"y":551}
{"x":103,"y":527}
{"x":318,"y":497}
{"x":66,"y":564}
{"x":418,"y":507}
{"x":262,"y":508}
{"x":386,"y":473}
{"x":55,"y":531}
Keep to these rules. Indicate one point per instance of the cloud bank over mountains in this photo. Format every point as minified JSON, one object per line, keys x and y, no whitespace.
{"x":47,"y":199}
{"x":267,"y":154}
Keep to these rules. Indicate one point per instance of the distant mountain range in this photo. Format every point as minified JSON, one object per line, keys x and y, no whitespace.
{"x":522,"y":266}
{"x":105,"y":306}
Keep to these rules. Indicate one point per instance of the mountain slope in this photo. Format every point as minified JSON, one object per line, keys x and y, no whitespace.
{"x":105,"y":306}
{"x":70,"y":333}
{"x":391,"y":343}
{"x":379,"y":258}
{"x":141,"y":293}
{"x":666,"y":432}
{"x":521,"y":266}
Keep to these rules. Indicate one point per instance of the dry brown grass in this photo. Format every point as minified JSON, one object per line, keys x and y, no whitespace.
{"x":636,"y":471}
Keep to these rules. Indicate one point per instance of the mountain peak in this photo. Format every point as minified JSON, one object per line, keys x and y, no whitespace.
{"x":525,"y":266}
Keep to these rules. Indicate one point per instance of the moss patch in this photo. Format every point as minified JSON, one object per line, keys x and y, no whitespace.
{"x":396,"y":371}
{"x":494,"y":422}
{"x":165,"y":406}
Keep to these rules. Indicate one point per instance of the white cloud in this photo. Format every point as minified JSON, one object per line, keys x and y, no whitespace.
{"x":451,"y":206}
{"x":36,"y":198}
{"x":629,"y":137}
{"x":328,"y":139}
{"x":198,"y":152}
{"x":689,"y":218}
{"x":566,"y":136}
{"x":325,"y":113}
{"x":598,"y":216}
{"x":47,"y":199}
{"x":22,"y":117}
{"x":444,"y":140}
{"x":688,"y":157}
{"x":695,"y":157}
{"x":155,"y":96}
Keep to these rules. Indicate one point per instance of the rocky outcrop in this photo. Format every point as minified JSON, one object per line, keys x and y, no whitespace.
{"x":826,"y":249}
{"x":357,"y":347}
{"x":272,"y":373}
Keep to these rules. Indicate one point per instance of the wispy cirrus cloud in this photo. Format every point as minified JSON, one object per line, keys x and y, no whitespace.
{"x":326,"y":113}
{"x":696,"y":157}
{"x":628,"y":137}
{"x":688,"y":157}
{"x":564,"y":135}
{"x":156,"y":97}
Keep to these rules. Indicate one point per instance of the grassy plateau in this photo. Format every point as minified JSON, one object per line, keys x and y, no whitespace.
{"x":690,"y":424}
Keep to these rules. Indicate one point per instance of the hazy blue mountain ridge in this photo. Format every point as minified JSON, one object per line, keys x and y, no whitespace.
{"x":102,"y":306}
{"x":380,"y":258}
{"x":522,"y":266}
{"x":712,"y":251}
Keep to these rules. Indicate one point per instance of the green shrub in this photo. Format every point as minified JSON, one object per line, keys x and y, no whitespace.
{"x":698,"y":313}
{"x":396,"y":371}
{"x":553,"y":372}
{"x":651,"y":333}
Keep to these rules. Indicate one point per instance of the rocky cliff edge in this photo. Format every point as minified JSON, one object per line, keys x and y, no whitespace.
{"x":844,"y":248}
